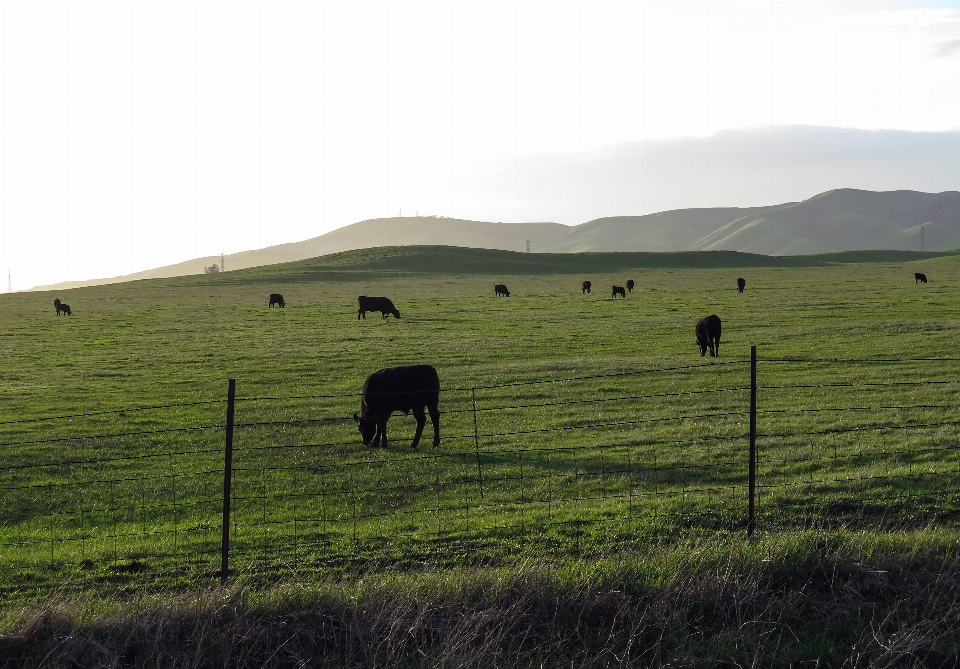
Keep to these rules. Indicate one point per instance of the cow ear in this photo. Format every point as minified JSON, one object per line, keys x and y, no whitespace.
{"x":356,"y":417}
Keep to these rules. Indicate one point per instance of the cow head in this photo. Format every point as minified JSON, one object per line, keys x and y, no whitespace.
{"x":367,"y":427}
{"x":703,"y":344}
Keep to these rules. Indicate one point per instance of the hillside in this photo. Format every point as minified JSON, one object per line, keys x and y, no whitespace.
{"x":835,"y":221}
{"x":845,"y":220}
{"x":430,"y":262}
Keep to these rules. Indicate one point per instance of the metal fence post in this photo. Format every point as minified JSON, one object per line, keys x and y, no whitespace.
{"x":227,"y":476}
{"x":476,"y":439}
{"x":752,"y":517}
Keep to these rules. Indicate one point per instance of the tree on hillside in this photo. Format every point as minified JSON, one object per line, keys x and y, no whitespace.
{"x":213,"y":269}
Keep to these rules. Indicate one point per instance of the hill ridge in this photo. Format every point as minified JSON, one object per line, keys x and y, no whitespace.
{"x":845,"y":219}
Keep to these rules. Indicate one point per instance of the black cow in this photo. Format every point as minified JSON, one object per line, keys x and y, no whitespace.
{"x":741,"y":284}
{"x":922,"y":278}
{"x":619,"y":290}
{"x":708,"y":335}
{"x":630,"y":285}
{"x":403,"y":389}
{"x":585,"y":287}
{"x":276,"y":299}
{"x":381,"y":304}
{"x":60,"y":306}
{"x":501,"y":289}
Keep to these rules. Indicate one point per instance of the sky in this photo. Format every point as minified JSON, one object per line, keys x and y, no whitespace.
{"x":137,"y":134}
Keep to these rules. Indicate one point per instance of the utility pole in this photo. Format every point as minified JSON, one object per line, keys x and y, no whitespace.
{"x":528,"y":246}
{"x":9,"y":282}
{"x":222,"y":266}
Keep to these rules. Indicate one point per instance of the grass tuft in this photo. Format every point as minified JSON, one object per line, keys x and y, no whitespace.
{"x":840,"y":599}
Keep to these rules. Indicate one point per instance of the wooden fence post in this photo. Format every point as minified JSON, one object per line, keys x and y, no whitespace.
{"x":227,"y":477}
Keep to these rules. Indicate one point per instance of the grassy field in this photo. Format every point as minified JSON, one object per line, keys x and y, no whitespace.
{"x":576,"y":428}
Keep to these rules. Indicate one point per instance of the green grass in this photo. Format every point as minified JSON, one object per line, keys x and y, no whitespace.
{"x":600,"y":431}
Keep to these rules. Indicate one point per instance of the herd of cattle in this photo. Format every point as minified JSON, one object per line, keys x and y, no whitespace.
{"x":416,"y":388}
{"x":383,"y":305}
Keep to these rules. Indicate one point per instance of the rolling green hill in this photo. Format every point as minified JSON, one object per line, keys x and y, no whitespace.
{"x":397,"y":262}
{"x":835,"y":221}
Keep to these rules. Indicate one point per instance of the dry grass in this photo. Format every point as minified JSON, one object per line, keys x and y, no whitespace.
{"x":808,"y":599}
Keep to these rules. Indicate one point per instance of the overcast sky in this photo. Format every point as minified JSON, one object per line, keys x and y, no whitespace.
{"x":137,"y":134}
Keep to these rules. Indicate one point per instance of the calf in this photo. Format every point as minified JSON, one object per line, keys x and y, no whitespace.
{"x":585,"y":287}
{"x":381,"y":304}
{"x":922,"y":278}
{"x":630,"y":285}
{"x":618,"y":290}
{"x":276,"y":299}
{"x":708,"y":335}
{"x":741,"y":284}
{"x":60,"y":306}
{"x":501,"y":289}
{"x":405,"y":389}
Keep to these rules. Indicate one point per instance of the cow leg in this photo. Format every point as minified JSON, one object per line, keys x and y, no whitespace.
{"x":382,"y":431}
{"x":435,"y":419}
{"x":421,"y":421}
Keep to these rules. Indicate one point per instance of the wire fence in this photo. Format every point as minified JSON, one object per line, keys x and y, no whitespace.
{"x":571,"y":466}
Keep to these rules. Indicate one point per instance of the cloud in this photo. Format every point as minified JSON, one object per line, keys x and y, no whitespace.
{"x":947,"y":48}
{"x":740,"y":168}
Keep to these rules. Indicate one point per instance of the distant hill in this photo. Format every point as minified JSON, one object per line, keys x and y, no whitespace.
{"x":835,"y":221}
{"x":395,"y":261}
{"x":845,"y":220}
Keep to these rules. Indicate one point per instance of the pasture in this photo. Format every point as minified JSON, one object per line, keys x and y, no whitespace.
{"x":574,"y":425}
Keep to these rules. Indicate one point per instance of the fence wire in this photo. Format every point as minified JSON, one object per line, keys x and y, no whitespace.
{"x":570,"y":466}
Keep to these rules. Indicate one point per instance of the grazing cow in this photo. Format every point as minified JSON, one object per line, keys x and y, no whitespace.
{"x":60,"y":306}
{"x":381,"y":304}
{"x":741,"y":284}
{"x":501,"y":289}
{"x":398,"y":389}
{"x":922,"y":278}
{"x":708,"y":335}
{"x":585,"y":287}
{"x":276,"y":299}
{"x":619,"y":290}
{"x":630,"y":285}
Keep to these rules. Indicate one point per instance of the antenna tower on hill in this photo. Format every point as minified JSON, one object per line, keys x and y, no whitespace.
{"x":528,"y":246}
{"x":9,"y":283}
{"x":222,"y":266}
{"x":923,"y":247}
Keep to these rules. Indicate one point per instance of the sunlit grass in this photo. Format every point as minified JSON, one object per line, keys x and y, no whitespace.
{"x":602,"y":459}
